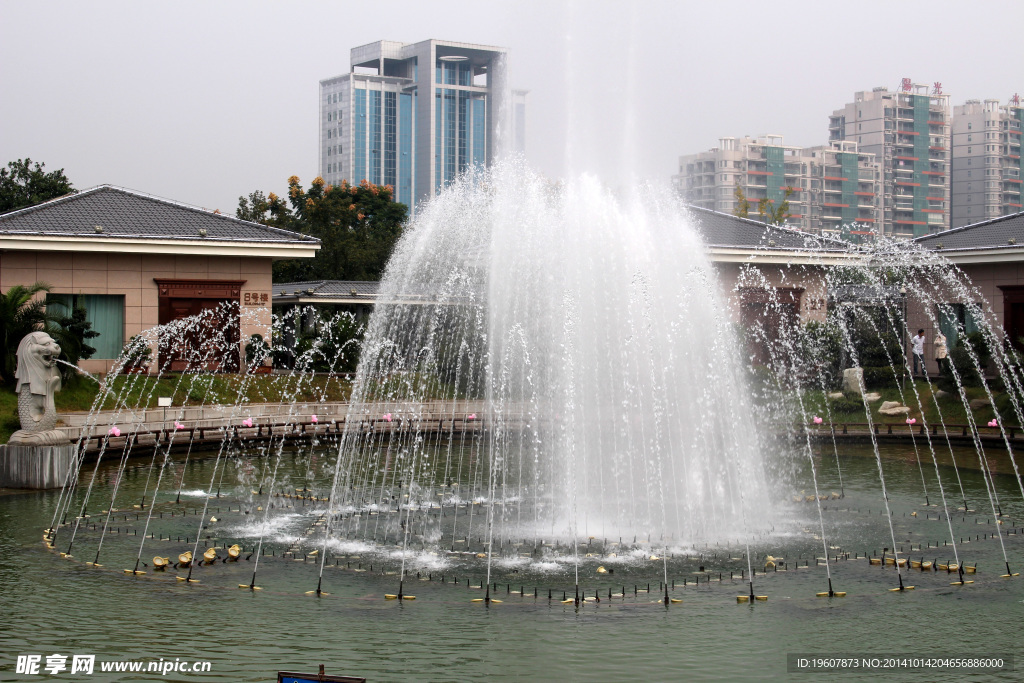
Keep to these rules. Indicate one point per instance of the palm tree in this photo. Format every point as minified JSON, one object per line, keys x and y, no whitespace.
{"x":20,"y":313}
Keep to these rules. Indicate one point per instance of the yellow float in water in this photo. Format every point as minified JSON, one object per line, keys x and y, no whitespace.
{"x":602,"y":570}
{"x":234,"y":551}
{"x":210,"y":555}
{"x":970,"y":570}
{"x":185,"y":558}
{"x":742,"y":598}
{"x":875,"y":560}
{"x":926,"y":565}
{"x":161,"y":562}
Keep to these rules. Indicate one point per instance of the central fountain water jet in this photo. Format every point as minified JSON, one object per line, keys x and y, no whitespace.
{"x":588,"y":325}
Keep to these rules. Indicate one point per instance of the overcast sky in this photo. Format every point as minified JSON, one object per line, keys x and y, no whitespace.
{"x":204,"y":101}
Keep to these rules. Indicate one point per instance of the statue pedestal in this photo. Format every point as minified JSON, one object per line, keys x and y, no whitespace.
{"x":35,"y":467}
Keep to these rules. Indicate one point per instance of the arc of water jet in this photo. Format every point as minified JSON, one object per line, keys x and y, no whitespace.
{"x":72,"y":475}
{"x":92,"y":480}
{"x":874,"y":445}
{"x":899,"y":389}
{"x":156,"y":489}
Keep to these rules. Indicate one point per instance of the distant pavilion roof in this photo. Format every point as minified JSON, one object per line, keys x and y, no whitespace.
{"x":108,"y":218}
{"x":347,"y":292}
{"x":733,"y":239}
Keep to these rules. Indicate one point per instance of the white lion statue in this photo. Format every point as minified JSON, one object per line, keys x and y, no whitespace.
{"x":37,"y":378}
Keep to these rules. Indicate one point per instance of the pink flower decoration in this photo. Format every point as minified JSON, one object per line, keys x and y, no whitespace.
{"x":114,"y":431}
{"x":817,"y":420}
{"x":387,"y":417}
{"x":313,"y":419}
{"x":178,"y":425}
{"x":247,"y":422}
{"x":471,"y":416}
{"x":911,"y":420}
{"x":993,"y":423}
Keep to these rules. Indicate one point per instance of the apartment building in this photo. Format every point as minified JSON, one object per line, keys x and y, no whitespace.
{"x":987,"y":167}
{"x":834,"y":187}
{"x":909,"y":132}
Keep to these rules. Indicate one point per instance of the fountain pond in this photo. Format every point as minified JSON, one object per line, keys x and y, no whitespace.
{"x":555,"y":462}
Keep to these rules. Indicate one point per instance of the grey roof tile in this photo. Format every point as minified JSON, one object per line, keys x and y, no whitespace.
{"x":128,"y":214}
{"x":990,"y":234}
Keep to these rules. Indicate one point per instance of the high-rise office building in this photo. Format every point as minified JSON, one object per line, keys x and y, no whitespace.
{"x":833,"y":188}
{"x":987,"y":166}
{"x":413,"y":116}
{"x":909,"y":133}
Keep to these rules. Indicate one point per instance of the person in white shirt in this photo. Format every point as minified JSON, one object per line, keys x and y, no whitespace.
{"x":917,"y":350}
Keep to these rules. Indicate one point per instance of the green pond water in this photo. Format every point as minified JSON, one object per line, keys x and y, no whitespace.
{"x":52,"y":605}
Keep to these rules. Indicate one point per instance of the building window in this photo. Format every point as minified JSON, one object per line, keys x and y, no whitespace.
{"x":104,"y":311}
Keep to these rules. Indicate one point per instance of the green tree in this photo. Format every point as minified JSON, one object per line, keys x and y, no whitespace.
{"x":72,"y":332}
{"x":742,"y":203}
{"x":358,"y":226}
{"x":775,"y":215}
{"x":20,"y":313}
{"x":24,"y":184}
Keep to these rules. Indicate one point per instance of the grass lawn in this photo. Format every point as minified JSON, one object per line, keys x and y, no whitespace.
{"x":952,"y":408}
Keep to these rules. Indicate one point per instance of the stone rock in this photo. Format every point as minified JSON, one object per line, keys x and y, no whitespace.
{"x":893,"y":408}
{"x":939,"y":393}
{"x":835,"y":395}
{"x":980,"y":403}
{"x":853,"y":378}
{"x":873,"y":396}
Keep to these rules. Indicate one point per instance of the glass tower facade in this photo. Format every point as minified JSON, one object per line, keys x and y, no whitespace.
{"x":378,"y":124}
